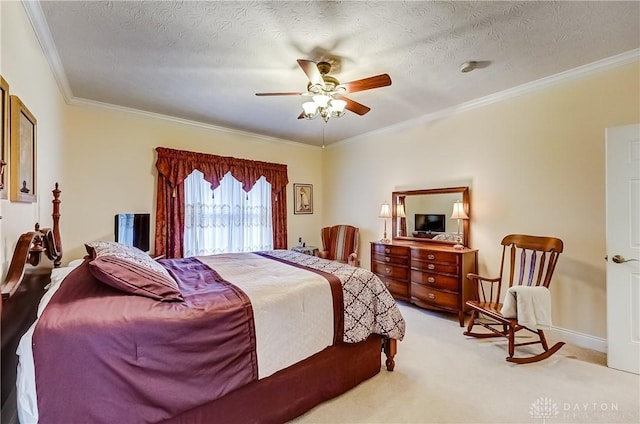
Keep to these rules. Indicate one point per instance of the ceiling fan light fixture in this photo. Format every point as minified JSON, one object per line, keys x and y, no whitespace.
{"x":323,"y":90}
{"x":324,"y":106}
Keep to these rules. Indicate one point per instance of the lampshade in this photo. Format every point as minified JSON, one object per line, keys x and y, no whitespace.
{"x":385,"y":211}
{"x":458,"y":211}
{"x":400,"y":211}
{"x":309,"y":108}
{"x":321,"y":100}
{"x":338,"y":106}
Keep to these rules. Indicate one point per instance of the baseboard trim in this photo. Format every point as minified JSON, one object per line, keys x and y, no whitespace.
{"x":580,"y":339}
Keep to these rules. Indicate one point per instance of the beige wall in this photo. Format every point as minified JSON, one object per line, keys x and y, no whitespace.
{"x":104,"y":159}
{"x":110,"y":168}
{"x":535,"y":164}
{"x":26,"y":70}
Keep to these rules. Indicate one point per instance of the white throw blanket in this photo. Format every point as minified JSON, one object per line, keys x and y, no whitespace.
{"x":531,"y":306}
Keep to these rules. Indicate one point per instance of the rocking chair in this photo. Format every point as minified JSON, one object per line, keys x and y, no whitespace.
{"x":530,"y":261}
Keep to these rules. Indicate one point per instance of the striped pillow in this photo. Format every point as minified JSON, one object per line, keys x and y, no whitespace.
{"x":131,"y":270}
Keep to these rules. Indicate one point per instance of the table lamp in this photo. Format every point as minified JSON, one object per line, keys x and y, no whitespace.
{"x":385,"y":212}
{"x":459,"y":213}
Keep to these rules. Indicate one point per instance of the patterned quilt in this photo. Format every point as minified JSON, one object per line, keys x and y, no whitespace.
{"x":368,"y":305}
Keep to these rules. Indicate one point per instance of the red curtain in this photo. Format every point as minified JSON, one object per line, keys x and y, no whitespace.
{"x":175,"y":165}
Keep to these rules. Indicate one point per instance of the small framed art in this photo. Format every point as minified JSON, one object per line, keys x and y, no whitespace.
{"x":302,"y":198}
{"x":23,"y":153}
{"x":4,"y":136}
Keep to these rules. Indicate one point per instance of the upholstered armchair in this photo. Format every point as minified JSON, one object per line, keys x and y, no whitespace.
{"x":340,"y":243}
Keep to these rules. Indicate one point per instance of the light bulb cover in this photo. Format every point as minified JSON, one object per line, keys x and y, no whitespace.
{"x":321,"y":100}
{"x":310,"y":109}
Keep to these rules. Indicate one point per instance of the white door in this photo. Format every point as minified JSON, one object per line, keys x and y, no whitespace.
{"x":623,"y":247}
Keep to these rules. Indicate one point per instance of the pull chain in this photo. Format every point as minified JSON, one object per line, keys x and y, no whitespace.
{"x":323,"y":134}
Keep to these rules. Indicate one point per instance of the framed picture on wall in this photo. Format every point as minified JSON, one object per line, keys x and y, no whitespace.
{"x":302,"y":198}
{"x":23,"y":152}
{"x":4,"y":136}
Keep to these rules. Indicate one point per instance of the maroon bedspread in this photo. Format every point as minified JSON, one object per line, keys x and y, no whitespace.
{"x":104,"y":357}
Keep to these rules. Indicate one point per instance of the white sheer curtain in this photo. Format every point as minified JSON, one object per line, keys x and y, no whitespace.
{"x":227,"y":219}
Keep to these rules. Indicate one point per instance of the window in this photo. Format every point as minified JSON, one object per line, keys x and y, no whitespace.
{"x":227,"y":219}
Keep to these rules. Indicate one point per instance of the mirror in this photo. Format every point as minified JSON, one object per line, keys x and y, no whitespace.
{"x":429,"y":215}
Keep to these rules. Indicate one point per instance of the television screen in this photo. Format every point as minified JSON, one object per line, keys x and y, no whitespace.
{"x":132,"y":229}
{"x":430,"y":222}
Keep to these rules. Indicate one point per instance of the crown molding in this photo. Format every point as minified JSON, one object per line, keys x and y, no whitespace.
{"x":612,"y":62}
{"x":76,"y":101}
{"x":43,"y":34}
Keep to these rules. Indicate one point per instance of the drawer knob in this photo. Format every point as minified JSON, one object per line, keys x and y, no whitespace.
{"x":431,"y":256}
{"x":431,"y":280}
{"x":387,"y":250}
{"x":431,"y":296}
{"x":386,"y":258}
{"x":431,"y":266}
{"x":387,"y":270}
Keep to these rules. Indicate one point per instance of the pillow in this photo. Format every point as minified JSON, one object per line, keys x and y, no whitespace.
{"x":129,"y":269}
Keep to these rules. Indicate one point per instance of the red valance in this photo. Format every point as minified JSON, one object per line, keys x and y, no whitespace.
{"x":174,"y":166}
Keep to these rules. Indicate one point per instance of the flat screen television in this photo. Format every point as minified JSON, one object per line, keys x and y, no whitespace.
{"x":132,"y":229}
{"x":430,"y":222}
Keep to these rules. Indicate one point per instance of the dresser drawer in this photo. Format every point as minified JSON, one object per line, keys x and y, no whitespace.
{"x":435,"y":281}
{"x":435,"y":267}
{"x":399,"y":289}
{"x":434,"y":256}
{"x":387,"y":249}
{"x":390,"y":271}
{"x":394,"y":260}
{"x":433,"y":296}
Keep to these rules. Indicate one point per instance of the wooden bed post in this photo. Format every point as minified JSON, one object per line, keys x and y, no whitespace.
{"x":390,"y":348}
{"x":57,"y":241}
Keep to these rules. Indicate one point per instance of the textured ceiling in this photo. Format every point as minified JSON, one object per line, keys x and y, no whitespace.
{"x":204,"y":61}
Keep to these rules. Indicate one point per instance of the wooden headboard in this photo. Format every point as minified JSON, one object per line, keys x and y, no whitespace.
{"x":22,"y":290}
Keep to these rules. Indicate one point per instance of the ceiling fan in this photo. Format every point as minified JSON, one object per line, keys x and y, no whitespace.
{"x":327,"y":92}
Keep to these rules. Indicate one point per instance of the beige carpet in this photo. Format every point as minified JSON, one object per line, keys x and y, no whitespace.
{"x":442,"y":376}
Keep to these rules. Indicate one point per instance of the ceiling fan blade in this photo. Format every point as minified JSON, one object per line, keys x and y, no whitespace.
{"x":301,"y":116}
{"x":382,"y":80}
{"x":311,"y":69}
{"x":291,"y":93}
{"x":354,"y":106}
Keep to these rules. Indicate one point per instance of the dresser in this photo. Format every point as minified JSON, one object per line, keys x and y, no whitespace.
{"x":428,"y":275}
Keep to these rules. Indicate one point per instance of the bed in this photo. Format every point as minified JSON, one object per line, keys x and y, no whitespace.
{"x":280,"y":331}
